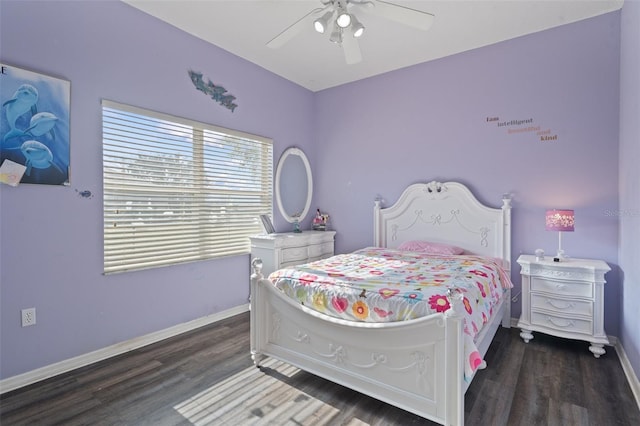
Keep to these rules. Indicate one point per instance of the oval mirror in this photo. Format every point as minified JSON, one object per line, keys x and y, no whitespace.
{"x":294,"y":185}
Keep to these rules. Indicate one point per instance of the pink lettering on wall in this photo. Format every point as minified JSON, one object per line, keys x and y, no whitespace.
{"x":522,"y":125}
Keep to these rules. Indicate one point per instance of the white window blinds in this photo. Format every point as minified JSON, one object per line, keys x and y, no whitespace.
{"x":177,"y":190}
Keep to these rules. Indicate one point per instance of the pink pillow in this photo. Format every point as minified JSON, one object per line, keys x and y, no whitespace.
{"x":430,"y":248}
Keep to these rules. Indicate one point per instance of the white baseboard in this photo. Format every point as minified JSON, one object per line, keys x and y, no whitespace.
{"x":634,"y":383}
{"x":33,"y":376}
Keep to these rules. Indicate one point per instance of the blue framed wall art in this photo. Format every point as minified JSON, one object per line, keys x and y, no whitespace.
{"x":34,"y":124}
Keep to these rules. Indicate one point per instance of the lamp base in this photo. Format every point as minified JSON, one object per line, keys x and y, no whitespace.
{"x":560,"y":256}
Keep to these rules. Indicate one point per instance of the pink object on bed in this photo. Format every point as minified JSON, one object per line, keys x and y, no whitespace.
{"x":430,"y":248}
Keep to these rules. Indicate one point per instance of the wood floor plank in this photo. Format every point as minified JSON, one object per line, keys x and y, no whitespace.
{"x":206,"y":377}
{"x":531,"y":404}
{"x":564,"y":376}
{"x":561,"y":414}
{"x":491,"y":393}
{"x":608,"y":399}
{"x":496,"y":399}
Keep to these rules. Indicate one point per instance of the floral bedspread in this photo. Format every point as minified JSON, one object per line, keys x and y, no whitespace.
{"x":384,"y":285}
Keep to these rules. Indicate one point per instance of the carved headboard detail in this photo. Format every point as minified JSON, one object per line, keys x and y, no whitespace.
{"x":445,"y":213}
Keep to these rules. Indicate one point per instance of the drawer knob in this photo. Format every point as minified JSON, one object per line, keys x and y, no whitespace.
{"x":557,"y":305}
{"x":561,"y":286}
{"x":569,"y":323}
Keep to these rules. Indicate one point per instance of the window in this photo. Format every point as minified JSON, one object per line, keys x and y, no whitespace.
{"x":177,"y":190}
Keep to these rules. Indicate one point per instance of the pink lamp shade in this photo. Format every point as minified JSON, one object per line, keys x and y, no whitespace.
{"x":560,"y":220}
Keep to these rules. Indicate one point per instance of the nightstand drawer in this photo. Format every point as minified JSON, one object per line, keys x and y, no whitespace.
{"x":562,"y":287}
{"x":563,"y":306}
{"x":293,"y":254}
{"x":569,"y":325}
{"x":320,"y":250}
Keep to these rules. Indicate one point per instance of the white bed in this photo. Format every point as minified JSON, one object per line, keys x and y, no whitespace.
{"x":385,"y":360}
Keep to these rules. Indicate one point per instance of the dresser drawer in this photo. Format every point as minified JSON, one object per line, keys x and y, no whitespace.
{"x":562,"y":306}
{"x":294,"y":254}
{"x":320,"y":250}
{"x":568,"y":325}
{"x":562,"y":287}
{"x":291,"y":241}
{"x":320,"y":238}
{"x":284,"y":265}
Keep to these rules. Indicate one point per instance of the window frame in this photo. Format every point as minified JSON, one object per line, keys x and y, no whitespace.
{"x":221,"y":202}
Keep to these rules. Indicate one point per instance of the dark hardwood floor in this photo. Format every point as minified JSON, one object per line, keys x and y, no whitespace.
{"x":206,"y":377}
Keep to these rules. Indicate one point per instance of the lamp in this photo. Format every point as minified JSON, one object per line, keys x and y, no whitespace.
{"x":561,"y":221}
{"x":320,"y":24}
{"x":344,"y":19}
{"x":357,"y":28}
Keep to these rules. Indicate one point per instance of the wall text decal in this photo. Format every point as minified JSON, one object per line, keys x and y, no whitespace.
{"x":525,"y":125}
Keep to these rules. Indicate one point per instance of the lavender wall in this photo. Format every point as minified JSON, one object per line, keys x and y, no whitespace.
{"x":421,"y":123}
{"x":429,"y":122}
{"x":52,"y":238}
{"x":630,"y":181}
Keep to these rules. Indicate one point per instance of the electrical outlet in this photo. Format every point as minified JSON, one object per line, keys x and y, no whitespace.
{"x":28,"y":317}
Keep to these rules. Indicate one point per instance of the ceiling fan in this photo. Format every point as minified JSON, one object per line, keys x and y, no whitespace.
{"x":337,"y":18}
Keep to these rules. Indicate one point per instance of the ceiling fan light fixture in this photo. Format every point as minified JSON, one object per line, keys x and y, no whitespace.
{"x":357,"y":29}
{"x":321,"y":23}
{"x":336,"y":36}
{"x":334,"y":18}
{"x":344,"y":19}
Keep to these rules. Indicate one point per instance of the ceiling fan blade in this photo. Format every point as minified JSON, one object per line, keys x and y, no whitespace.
{"x":402,"y":14}
{"x":351,"y":49}
{"x":294,"y":29}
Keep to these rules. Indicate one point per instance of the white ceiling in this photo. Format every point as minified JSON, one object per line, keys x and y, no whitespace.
{"x":243,"y":27}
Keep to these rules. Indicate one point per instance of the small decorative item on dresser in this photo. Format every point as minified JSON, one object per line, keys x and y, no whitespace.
{"x":320,"y":221}
{"x":564,"y":299}
{"x":268,"y":225}
{"x":296,"y":223}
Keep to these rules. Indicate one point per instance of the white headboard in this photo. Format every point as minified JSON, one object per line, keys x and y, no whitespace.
{"x":445,"y":213}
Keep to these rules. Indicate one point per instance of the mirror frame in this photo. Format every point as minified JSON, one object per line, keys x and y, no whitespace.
{"x":287,"y":153}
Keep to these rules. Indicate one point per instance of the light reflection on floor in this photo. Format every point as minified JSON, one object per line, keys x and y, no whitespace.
{"x":259,"y":397}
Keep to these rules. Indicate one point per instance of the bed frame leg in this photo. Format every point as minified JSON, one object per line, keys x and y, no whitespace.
{"x":257,"y":358}
{"x":254,"y":307}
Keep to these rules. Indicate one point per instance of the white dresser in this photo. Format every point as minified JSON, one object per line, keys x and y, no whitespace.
{"x":286,"y":249}
{"x":564,"y":299}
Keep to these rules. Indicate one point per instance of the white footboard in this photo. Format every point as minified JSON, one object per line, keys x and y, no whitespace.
{"x":415,"y":365}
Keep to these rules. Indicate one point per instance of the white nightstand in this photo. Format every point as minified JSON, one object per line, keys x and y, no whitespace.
{"x":564,"y":299}
{"x":286,"y":249}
